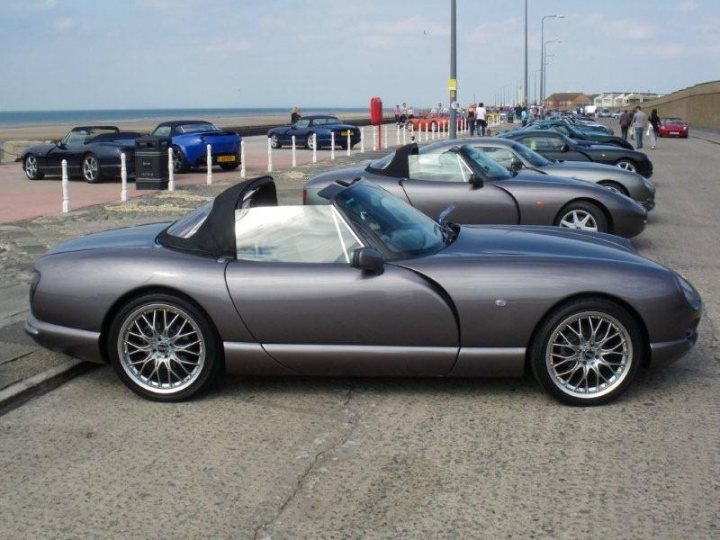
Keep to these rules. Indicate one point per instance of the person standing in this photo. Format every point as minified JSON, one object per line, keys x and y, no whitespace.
{"x":654,"y":128}
{"x":639,"y":121}
{"x":481,"y":119}
{"x":398,"y":112}
{"x":624,"y":124}
{"x":524,"y":116}
{"x":471,"y":119}
{"x":294,"y":115}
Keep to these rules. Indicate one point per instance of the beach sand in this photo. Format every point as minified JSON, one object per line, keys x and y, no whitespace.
{"x":57,"y":131}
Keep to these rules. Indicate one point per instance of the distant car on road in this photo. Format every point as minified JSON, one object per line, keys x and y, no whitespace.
{"x":92,"y":152}
{"x":433,"y":121}
{"x":604,"y":113}
{"x":189,"y":139}
{"x":309,"y":128}
{"x":556,"y":146}
{"x":515,"y":157}
{"x":674,"y":127}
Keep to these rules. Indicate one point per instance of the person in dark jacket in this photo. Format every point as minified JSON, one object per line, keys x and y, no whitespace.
{"x":471,"y":119}
{"x":654,"y":128}
{"x":294,"y":115}
{"x":625,"y":121}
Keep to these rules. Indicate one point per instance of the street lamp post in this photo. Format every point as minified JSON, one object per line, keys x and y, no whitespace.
{"x":542,"y":54}
{"x":525,"y":88}
{"x":453,"y":70}
{"x":543,"y":84}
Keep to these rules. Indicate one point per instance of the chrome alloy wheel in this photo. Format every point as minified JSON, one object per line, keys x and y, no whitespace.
{"x":589,"y":354}
{"x":579,"y":219}
{"x":90,"y":168}
{"x":31,"y":166}
{"x":626,"y":165}
{"x":161,"y":348}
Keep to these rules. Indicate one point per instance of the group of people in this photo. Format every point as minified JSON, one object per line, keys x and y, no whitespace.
{"x":477,"y":118}
{"x":403,"y":114}
{"x":640,"y":123}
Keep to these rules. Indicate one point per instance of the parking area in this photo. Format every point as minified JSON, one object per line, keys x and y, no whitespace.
{"x":391,"y":458}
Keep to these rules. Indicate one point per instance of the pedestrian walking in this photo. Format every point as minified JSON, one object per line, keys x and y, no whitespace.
{"x":639,"y":122}
{"x":471,"y":119}
{"x":624,"y":124}
{"x":654,"y":128}
{"x":481,"y":119}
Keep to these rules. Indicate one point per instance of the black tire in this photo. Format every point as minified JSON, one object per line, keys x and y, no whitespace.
{"x":90,"y":169}
{"x":275,"y":142}
{"x":556,"y":381}
{"x":614,"y":186}
{"x":309,"y":142}
{"x":195,"y":354}
{"x":582,"y":208}
{"x":626,"y":164}
{"x":31,"y":166}
{"x":180,"y":164}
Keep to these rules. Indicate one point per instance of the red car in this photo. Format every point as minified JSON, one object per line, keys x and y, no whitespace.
{"x":673,"y":127}
{"x":431,"y":122}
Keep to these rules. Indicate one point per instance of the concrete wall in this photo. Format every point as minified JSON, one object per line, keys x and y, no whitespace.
{"x":698,"y":105}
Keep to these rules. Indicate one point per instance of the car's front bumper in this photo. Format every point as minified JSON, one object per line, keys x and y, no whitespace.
{"x":667,"y":352}
{"x":74,"y":342}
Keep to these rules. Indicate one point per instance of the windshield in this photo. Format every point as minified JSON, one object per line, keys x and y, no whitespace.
{"x":400,"y":230}
{"x":196,"y":128}
{"x":535,"y":159}
{"x":490,"y":168}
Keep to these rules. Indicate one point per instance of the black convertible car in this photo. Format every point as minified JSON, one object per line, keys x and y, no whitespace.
{"x":92,"y":152}
{"x":365,"y":285}
{"x":556,"y":146}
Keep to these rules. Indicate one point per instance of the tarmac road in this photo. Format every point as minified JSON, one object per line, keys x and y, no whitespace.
{"x":402,"y":458}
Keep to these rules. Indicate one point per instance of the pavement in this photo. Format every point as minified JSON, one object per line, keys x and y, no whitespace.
{"x":367,"y":458}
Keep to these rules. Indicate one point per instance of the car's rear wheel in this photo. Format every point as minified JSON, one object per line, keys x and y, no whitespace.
{"x":627,"y":164}
{"x":32,"y":168}
{"x":163,"y":348}
{"x":614,"y":186}
{"x":582,"y":215}
{"x":587,"y":352}
{"x":275,"y":142}
{"x":90,"y":168}
{"x":310,"y":141}
{"x":180,"y":164}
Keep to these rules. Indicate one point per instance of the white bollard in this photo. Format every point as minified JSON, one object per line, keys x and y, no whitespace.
{"x":314,"y":136}
{"x":242,"y":158}
{"x":294,"y":158}
{"x":362,"y":140}
{"x":65,"y":188}
{"x":209,"y":164}
{"x":171,"y":171}
{"x":123,"y":178}
{"x":412,"y":132}
{"x":332,"y":145}
{"x":349,"y":142}
{"x":405,"y":135}
{"x":397,"y":135}
{"x":269,"y":166}
{"x":385,"y":135}
{"x":375,"y":139}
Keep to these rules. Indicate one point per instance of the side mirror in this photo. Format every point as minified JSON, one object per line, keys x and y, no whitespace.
{"x":60,"y":144}
{"x":369,"y":260}
{"x":564,"y":148}
{"x":476,"y":180}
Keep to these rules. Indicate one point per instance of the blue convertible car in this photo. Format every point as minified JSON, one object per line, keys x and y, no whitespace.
{"x":189,"y":143}
{"x":320,"y":125}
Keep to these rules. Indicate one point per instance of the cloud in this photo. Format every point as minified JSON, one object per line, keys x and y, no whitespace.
{"x":45,"y":4}
{"x":631,"y":29}
{"x":64,"y":24}
{"x":687,"y":5}
{"x":493,"y":31}
{"x":227,"y":46}
{"x":661,"y":50}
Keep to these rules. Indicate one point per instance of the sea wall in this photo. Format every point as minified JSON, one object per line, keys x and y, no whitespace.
{"x":698,"y":105}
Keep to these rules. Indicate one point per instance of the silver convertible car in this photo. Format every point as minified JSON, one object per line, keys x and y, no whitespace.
{"x":366,"y":285}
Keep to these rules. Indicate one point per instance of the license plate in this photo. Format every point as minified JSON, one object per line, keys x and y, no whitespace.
{"x":674,"y":133}
{"x":226,"y":159}
{"x":346,"y":133}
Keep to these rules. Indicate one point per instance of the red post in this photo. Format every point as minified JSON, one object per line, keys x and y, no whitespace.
{"x":376,"y":116}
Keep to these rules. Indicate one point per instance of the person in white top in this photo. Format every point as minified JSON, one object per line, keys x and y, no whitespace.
{"x":481,"y":119}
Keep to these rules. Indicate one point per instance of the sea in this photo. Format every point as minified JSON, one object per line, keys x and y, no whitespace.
{"x":10,"y":119}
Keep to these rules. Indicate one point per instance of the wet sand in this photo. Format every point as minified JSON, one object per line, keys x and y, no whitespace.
{"x":57,"y":131}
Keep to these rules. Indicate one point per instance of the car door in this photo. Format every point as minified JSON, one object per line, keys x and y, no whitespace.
{"x":294,"y":287}
{"x":438,"y":180}
{"x":300,"y":130}
{"x":552,"y":147}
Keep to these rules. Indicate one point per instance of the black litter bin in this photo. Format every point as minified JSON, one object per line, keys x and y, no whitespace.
{"x":151,"y":162}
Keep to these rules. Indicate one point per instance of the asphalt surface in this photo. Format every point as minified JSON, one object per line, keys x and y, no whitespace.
{"x":394,"y":458}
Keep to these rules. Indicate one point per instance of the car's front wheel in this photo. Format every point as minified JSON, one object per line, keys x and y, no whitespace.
{"x":587,"y":352}
{"x":163,"y":348}
{"x":584,"y":216}
{"x":32,"y":168}
{"x":627,"y":164}
{"x":311,"y":140}
{"x":90,"y":168}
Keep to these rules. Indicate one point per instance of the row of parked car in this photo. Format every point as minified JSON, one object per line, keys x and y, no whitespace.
{"x":469,"y":257}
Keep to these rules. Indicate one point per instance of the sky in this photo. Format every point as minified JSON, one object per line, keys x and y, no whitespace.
{"x":124,"y":54}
